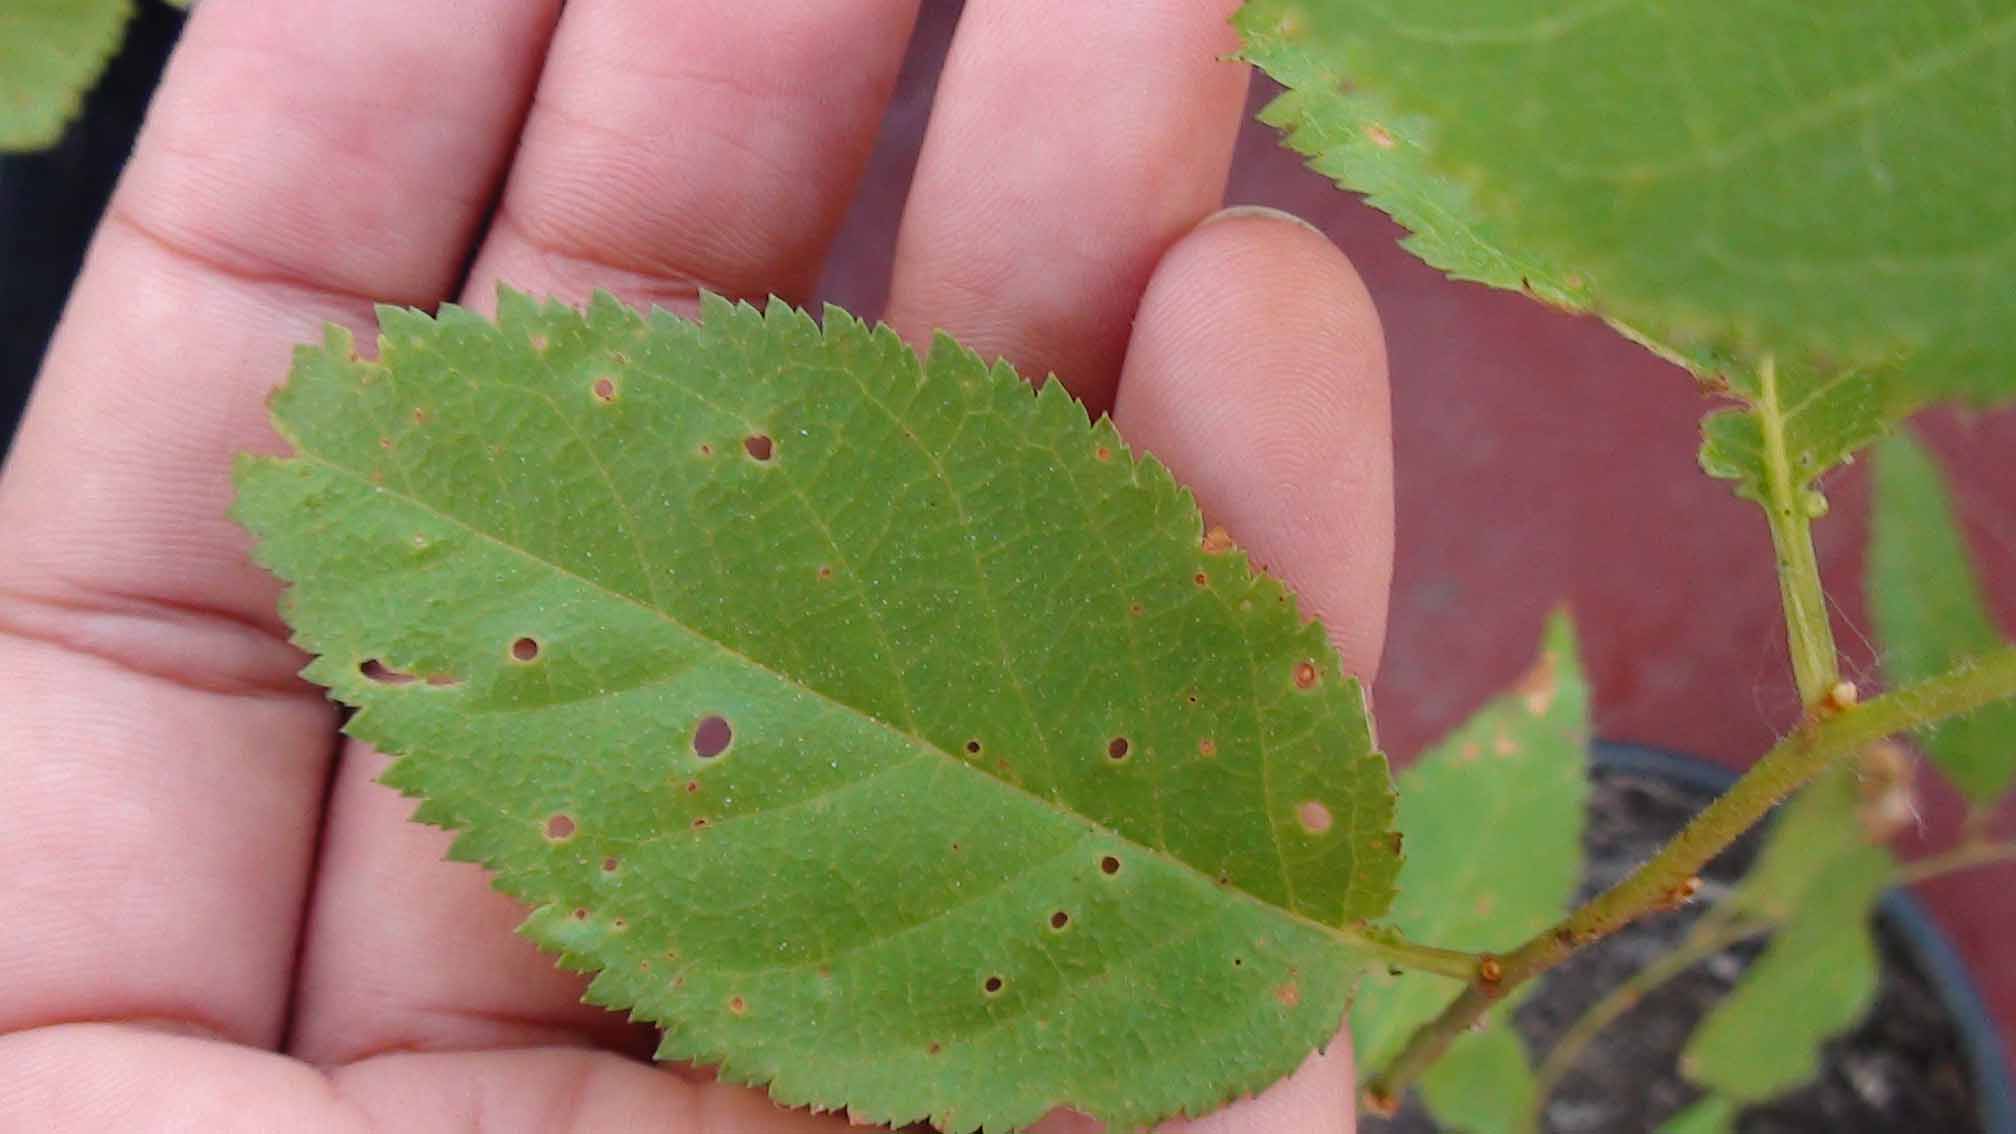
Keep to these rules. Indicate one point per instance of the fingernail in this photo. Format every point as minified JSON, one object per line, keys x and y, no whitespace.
{"x":1258,"y":212}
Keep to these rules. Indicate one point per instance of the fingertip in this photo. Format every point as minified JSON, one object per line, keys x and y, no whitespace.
{"x":1257,"y":372}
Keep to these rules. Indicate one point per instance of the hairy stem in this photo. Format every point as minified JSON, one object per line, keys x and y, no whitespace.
{"x":1668,"y":879}
{"x":1808,"y":634}
{"x":1709,"y":936}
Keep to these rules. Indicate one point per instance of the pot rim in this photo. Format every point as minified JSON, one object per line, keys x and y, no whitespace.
{"x":1988,"y":1065}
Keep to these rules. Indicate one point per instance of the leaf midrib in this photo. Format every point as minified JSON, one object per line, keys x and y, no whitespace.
{"x":1348,"y":937}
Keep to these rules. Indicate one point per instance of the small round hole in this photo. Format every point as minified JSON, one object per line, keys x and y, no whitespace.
{"x":559,"y":827}
{"x":1117,"y":748}
{"x":1059,"y":920}
{"x":994,"y":985}
{"x":605,"y":390}
{"x":1201,"y":579}
{"x":712,"y":737}
{"x":610,"y":864}
{"x":525,"y":649}
{"x":1305,"y":675}
{"x":758,"y":446}
{"x":376,"y":670}
{"x":973,"y":748}
{"x":1109,"y":865}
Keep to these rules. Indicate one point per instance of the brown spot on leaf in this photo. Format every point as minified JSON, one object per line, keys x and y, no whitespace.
{"x":993,"y":986}
{"x":1314,"y":817}
{"x":1379,"y":136}
{"x":1201,"y":579}
{"x":559,"y":827}
{"x":1217,"y":541}
{"x":1305,"y":674}
{"x":525,"y":650}
{"x":1117,"y":748}
{"x":759,"y":446}
{"x":1289,"y":994}
{"x":1109,"y":865}
{"x":1537,"y":688}
{"x":611,"y":864}
{"x":604,"y":390}
{"x":1503,"y":745}
{"x":1059,"y":920}
{"x":1207,"y":747}
{"x":376,"y":670}
{"x":1102,"y":453}
{"x":738,"y":1006}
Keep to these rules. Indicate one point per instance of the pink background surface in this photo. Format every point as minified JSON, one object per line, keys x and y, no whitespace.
{"x":1543,"y":459}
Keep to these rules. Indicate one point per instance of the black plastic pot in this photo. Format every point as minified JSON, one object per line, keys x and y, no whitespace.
{"x":1935,"y":958}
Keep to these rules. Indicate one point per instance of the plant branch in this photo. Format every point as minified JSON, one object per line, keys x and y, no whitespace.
{"x":1808,"y":634}
{"x":1669,"y":878}
{"x":1963,"y":857}
{"x":1709,"y":936}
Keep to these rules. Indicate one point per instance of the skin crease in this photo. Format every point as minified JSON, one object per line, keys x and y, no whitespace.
{"x":220,"y":921}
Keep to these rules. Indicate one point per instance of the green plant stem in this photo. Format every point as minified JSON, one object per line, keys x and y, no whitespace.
{"x":1452,"y":963}
{"x":1963,"y":857}
{"x":1709,"y":936}
{"x":1664,"y":881}
{"x":1808,"y":634}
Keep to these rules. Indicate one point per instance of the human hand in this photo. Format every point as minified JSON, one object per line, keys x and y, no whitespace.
{"x":218,"y":921}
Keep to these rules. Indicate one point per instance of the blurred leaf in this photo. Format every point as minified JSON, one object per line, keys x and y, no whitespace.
{"x":1814,"y":980}
{"x":889,"y":733}
{"x":1931,"y":614}
{"x":1810,"y":833}
{"x":1484,"y":1084}
{"x":1714,"y":1114}
{"x":1493,"y":816}
{"x":51,"y":52}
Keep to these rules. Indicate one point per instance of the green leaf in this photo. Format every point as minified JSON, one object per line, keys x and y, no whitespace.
{"x":889,"y":733}
{"x":1484,"y":1084}
{"x":1729,"y":188}
{"x":1715,"y":1114}
{"x":51,"y":52}
{"x":1810,"y":834}
{"x":1815,"y":979}
{"x":1931,"y":614}
{"x":1493,"y":815}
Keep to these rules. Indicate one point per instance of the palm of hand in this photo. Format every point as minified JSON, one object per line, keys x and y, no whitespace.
{"x":220,"y":920}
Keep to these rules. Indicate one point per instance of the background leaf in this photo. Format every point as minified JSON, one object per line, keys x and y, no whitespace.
{"x":1715,"y":1114}
{"x":886,"y":732}
{"x":1724,"y":185}
{"x":51,"y":52}
{"x":1815,"y":979}
{"x":1493,"y":815}
{"x":1484,"y":1084}
{"x":1931,"y":614}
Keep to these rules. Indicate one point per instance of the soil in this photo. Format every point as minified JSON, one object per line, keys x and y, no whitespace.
{"x":1902,"y":1070}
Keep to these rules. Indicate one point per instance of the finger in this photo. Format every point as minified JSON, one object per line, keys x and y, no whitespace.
{"x":675,"y":147}
{"x":88,"y":1078}
{"x":1317,"y":1099}
{"x":162,"y":768}
{"x":1257,"y":372}
{"x":670,"y":147}
{"x":1069,"y":145}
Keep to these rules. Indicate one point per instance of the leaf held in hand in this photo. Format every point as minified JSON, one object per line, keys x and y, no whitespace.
{"x":882,"y":730}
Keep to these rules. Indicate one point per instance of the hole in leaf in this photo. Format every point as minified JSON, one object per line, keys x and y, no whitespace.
{"x":1201,"y":579}
{"x":973,"y":748}
{"x":699,"y":822}
{"x":706,"y":450}
{"x":559,"y":827}
{"x":1314,"y":817}
{"x":1238,"y":962}
{"x":604,"y":389}
{"x":994,"y":985}
{"x":1109,"y":865}
{"x":525,"y":649}
{"x":378,"y":671}
{"x":580,"y":913}
{"x":610,"y":864}
{"x":692,"y":787}
{"x":758,"y":446}
{"x":1117,"y":748}
{"x":1305,"y":675}
{"x":712,"y":736}
{"x":1059,"y":920}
